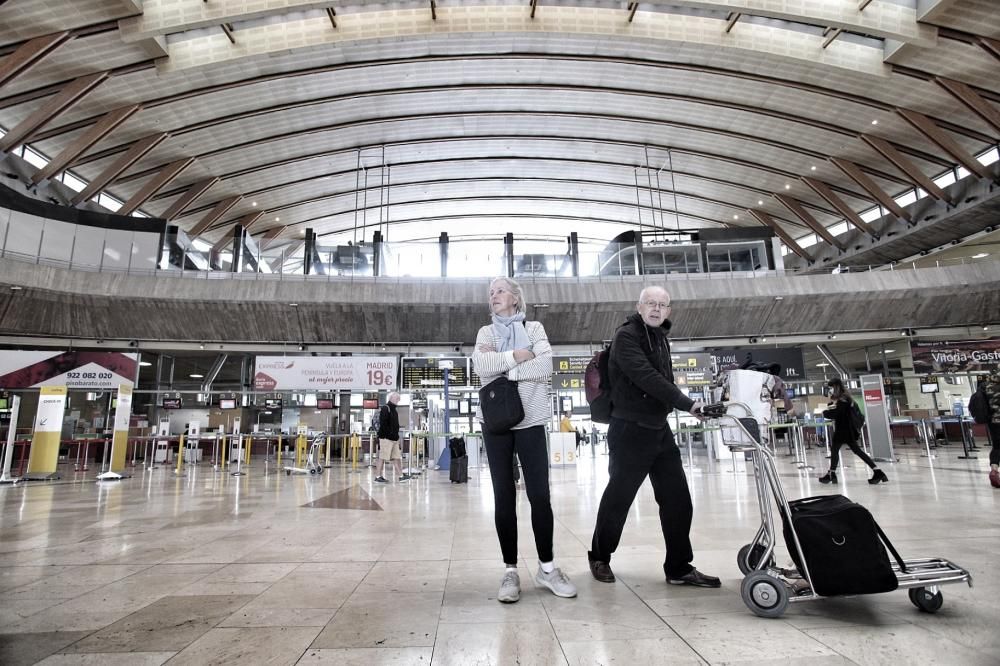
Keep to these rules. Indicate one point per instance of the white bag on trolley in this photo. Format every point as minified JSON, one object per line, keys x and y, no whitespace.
{"x":753,"y":389}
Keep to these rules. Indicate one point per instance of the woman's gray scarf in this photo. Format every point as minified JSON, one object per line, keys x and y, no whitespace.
{"x":510,"y":332}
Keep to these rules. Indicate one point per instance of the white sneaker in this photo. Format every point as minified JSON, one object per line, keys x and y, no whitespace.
{"x":510,"y":587}
{"x":556,"y":581}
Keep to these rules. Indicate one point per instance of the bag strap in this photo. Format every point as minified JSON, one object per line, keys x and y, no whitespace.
{"x":892,"y":549}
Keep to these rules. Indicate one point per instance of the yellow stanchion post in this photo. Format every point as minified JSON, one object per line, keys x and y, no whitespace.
{"x":300,"y":443}
{"x":355,"y":445}
{"x":221,"y":460}
{"x":279,"y":451}
{"x":329,"y":439}
{"x":249,"y":441}
{"x":180,"y":456}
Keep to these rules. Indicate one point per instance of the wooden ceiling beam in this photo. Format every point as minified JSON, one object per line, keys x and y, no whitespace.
{"x":789,"y":242}
{"x":854,"y":172}
{"x":51,"y":109}
{"x":98,"y":131}
{"x":800,"y":212}
{"x":155,"y":184}
{"x":186,"y":199}
{"x":138,"y":150}
{"x":29,"y":54}
{"x":824,"y":191}
{"x":213,"y":215}
{"x":886,"y":150}
{"x":970,"y":98}
{"x":936,"y":135}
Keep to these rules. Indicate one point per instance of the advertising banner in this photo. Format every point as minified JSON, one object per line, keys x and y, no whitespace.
{"x":72,"y":369}
{"x":790,"y":360}
{"x":119,"y":441}
{"x":44,"y":455}
{"x":955,"y":357}
{"x":877,"y":418}
{"x":330,"y":373}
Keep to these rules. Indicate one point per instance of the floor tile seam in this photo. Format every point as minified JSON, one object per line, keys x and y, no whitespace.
{"x":665,"y":622}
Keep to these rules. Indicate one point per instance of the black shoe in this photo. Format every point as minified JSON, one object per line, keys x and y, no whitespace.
{"x":381,"y":479}
{"x":829,"y":477}
{"x":878,"y":476}
{"x":696,"y":578}
{"x":602,"y":571}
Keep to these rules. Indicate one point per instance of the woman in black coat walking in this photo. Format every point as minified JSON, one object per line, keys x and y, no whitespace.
{"x":844,"y":433}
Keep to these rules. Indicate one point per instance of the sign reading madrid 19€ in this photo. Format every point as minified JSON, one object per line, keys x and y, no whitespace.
{"x":331,"y":373}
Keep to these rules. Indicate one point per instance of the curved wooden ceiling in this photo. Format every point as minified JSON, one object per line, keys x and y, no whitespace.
{"x":452,"y":116}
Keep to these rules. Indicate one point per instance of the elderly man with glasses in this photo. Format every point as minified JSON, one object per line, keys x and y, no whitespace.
{"x":641,"y":444}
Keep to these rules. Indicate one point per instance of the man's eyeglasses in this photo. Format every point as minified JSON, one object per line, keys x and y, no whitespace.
{"x":656,"y":304}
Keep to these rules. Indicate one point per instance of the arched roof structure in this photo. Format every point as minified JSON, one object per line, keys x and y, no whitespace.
{"x":478,"y":119}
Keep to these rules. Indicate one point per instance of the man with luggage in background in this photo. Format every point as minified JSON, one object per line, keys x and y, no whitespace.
{"x":641,"y":444}
{"x":388,"y":440}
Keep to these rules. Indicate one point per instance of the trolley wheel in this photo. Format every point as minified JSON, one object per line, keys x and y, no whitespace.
{"x":312,"y":470}
{"x":749,"y":557}
{"x":319,"y":470}
{"x":925,"y":600}
{"x":765,"y":595}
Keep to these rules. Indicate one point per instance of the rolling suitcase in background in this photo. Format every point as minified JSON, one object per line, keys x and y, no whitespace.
{"x":458,"y":471}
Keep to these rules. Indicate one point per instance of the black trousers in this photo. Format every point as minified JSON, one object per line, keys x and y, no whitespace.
{"x":635,"y":453}
{"x":858,"y":451}
{"x":529,"y":444}
{"x":993,"y":430}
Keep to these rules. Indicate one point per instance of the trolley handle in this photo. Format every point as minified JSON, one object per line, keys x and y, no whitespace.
{"x":714,"y":410}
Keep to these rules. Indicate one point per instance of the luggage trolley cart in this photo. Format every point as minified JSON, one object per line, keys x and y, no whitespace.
{"x":766,"y":589}
{"x":313,"y":465}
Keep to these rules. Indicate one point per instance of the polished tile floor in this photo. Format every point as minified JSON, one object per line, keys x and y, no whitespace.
{"x":270,"y":569}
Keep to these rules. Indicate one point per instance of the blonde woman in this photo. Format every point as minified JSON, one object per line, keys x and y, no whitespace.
{"x":520,"y":350}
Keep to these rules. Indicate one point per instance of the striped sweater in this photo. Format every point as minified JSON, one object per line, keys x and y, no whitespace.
{"x":533,"y":377}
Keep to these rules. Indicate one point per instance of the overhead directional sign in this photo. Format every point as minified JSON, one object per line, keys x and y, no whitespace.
{"x":567,"y":382}
{"x":570,"y":365}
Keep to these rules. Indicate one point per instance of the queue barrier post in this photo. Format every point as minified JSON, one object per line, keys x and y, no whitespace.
{"x":329,"y":440}
{"x":279,"y":451}
{"x":355,"y":447}
{"x":179,"y":471}
{"x":249,"y":441}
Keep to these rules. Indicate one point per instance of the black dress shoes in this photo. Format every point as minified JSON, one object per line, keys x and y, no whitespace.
{"x":693,"y":577}
{"x":602,"y":571}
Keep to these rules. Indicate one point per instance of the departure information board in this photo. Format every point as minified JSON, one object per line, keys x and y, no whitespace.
{"x":426,"y":373}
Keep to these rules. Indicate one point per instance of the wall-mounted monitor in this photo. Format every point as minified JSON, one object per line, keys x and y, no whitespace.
{"x":463,"y":407}
{"x":790,"y":393}
{"x":929,"y":388}
{"x":4,"y":402}
{"x":170,"y":403}
{"x":227,"y":403}
{"x":324,"y":403}
{"x":272,"y":403}
{"x":369,"y":403}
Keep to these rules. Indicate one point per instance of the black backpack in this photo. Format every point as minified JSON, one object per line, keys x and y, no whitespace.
{"x":857,"y":418}
{"x":979,"y":406}
{"x":597,"y":387}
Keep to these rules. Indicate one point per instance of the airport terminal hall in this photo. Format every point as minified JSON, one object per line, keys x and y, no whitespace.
{"x":499,"y":332}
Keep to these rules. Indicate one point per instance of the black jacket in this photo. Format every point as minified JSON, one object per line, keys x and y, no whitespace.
{"x":840,"y":414}
{"x":388,"y":422}
{"x":642,"y":380}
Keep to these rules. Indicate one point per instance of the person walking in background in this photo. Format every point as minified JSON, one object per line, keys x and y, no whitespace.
{"x":839,"y":411}
{"x":991,"y":386}
{"x":388,"y":440}
{"x":641,"y":444}
{"x":520,"y":350}
{"x":565,"y":425}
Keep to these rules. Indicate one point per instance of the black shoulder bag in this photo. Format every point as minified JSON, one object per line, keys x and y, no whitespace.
{"x":501,"y":405}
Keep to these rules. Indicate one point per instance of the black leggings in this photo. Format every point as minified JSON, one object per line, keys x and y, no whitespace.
{"x":529,"y":444}
{"x":993,"y":430}
{"x":858,"y":451}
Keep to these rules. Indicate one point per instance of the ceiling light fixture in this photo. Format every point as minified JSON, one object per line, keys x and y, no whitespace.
{"x":812,"y":168}
{"x":975,"y":256}
{"x":253,"y":203}
{"x":195,"y":375}
{"x":145,"y":364}
{"x":822,"y":365}
{"x":760,"y":202}
{"x":736,"y":217}
{"x":277,"y":219}
{"x":787,"y":186}
{"x":874,"y":122}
